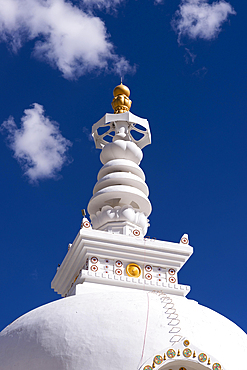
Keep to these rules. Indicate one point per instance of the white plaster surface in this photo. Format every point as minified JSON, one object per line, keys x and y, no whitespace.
{"x":121,"y":182}
{"x":125,"y":120}
{"x":121,"y":149}
{"x":104,"y":328}
{"x":102,"y":244}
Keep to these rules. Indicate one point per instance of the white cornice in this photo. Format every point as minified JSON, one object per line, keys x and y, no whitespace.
{"x":130,"y":249}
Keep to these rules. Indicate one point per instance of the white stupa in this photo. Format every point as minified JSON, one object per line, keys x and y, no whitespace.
{"x":124,"y":308}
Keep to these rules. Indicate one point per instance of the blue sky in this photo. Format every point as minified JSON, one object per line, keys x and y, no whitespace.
{"x":185,"y":64}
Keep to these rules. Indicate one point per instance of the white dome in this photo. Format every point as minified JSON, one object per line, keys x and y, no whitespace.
{"x":110,"y":328}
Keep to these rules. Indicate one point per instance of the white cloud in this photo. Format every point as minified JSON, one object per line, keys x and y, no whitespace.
{"x":107,"y":4}
{"x":87,"y":133}
{"x":38,"y":144}
{"x":199,"y":19}
{"x":67,"y":37}
{"x":122,"y":67}
{"x":189,"y":56}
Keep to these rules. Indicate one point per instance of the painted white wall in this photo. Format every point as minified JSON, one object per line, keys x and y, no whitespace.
{"x":106,"y":328}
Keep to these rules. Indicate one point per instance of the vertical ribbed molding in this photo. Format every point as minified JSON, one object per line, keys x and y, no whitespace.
{"x":120,"y":201}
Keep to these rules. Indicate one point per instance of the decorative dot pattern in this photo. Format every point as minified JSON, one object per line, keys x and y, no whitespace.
{"x":186,"y":343}
{"x":94,"y":259}
{"x":172,"y":279}
{"x":171,"y":271}
{"x":136,"y":232}
{"x":86,"y":224}
{"x":148,"y":268}
{"x":187,"y":352}
{"x":158,"y":359}
{"x":202,"y":357}
{"x":171,"y":353}
{"x":216,"y":366}
{"x":184,"y":241}
{"x":148,"y":276}
{"x":148,"y":367}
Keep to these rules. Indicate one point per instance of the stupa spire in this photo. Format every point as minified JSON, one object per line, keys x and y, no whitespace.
{"x":112,"y":250}
{"x":120,"y":201}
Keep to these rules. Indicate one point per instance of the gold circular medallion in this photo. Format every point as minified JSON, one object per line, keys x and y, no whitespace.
{"x":187,"y":352}
{"x":133,"y":270}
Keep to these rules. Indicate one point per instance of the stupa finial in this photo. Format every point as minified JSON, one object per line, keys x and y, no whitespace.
{"x":121,"y":102}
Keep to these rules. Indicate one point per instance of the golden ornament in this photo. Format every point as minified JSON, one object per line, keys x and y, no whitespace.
{"x":133,"y":270}
{"x":121,"y":102}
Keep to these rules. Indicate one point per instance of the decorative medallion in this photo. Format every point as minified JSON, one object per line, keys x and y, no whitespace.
{"x":133,"y":270}
{"x":148,"y":268}
{"x":202,"y":357}
{"x":148,"y":276}
{"x":187,"y":352}
{"x":158,"y":359}
{"x":119,"y":263}
{"x":171,"y":353}
{"x":136,"y":232}
{"x":182,"y":368}
{"x":171,"y":271}
{"x":94,"y":268}
{"x":184,"y":240}
{"x":148,"y":367}
{"x":118,"y":272}
{"x":86,"y":224}
{"x":216,"y":366}
{"x":186,"y":343}
{"x":172,"y":279}
{"x":94,"y":259}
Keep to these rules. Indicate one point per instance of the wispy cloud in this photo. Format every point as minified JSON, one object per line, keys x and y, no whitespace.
{"x":189,"y":56}
{"x":35,"y":275}
{"x":102,"y":4}
{"x":199,"y":19}
{"x":88,"y":134}
{"x":67,"y":37}
{"x":201,"y":72}
{"x":38,"y":144}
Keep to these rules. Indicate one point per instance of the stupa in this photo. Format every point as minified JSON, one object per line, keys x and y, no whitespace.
{"x":122,"y":306}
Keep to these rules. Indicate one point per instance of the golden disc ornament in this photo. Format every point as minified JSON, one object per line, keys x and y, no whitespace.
{"x":133,"y":270}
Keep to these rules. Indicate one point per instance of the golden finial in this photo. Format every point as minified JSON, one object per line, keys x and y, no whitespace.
{"x":121,"y":102}
{"x":83,"y":215}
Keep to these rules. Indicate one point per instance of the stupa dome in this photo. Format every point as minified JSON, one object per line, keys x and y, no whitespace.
{"x":107,"y":327}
